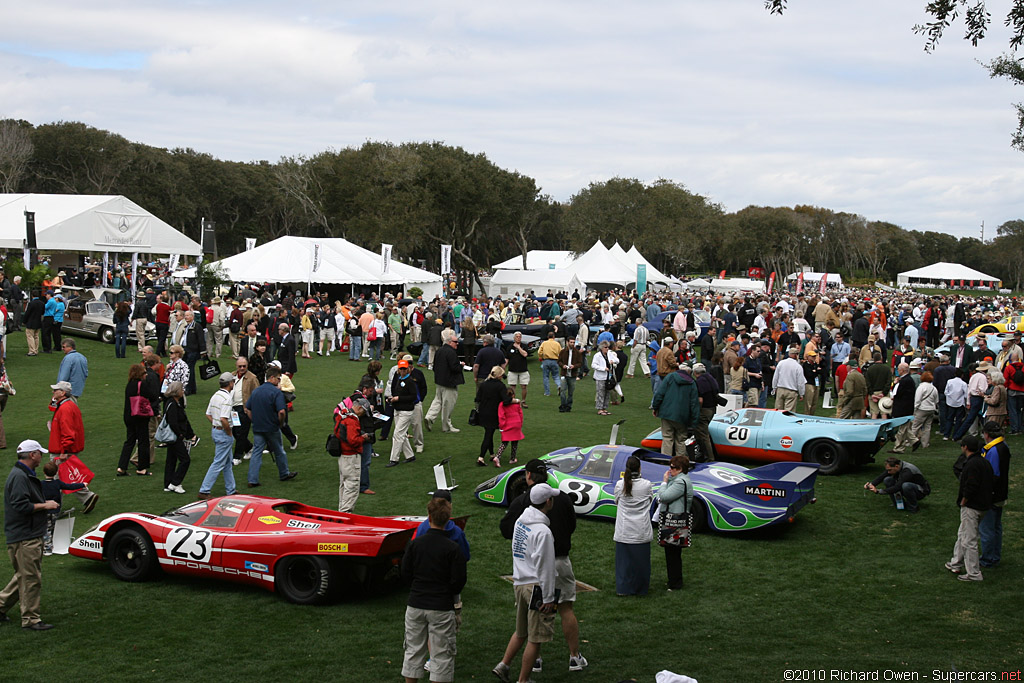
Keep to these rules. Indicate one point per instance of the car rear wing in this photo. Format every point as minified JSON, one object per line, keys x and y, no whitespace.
{"x":780,"y":482}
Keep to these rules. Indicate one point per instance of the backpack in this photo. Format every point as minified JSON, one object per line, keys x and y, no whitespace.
{"x":1018,"y":375}
{"x":335,"y":438}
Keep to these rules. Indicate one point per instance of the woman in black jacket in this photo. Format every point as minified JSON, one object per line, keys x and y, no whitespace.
{"x":178,"y":458}
{"x":489,"y":396}
{"x":137,"y":425}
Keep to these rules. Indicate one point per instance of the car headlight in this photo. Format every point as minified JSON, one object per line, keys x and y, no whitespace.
{"x":490,"y":483}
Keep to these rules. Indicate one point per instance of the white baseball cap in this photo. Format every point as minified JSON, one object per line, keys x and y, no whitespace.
{"x":30,"y":445}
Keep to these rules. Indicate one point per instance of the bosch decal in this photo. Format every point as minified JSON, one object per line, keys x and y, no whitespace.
{"x":332,"y":547}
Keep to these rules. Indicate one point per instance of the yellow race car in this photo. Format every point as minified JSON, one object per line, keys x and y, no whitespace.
{"x":1009,"y":324}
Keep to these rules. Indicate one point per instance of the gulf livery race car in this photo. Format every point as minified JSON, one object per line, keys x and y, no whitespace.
{"x":726,"y":497}
{"x":784,"y":436}
{"x":306,"y":554}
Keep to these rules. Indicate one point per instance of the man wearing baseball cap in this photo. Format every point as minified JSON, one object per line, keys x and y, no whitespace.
{"x":562,"y":522}
{"x":25,"y":510}
{"x":533,"y":579}
{"x":67,"y":436}
{"x":404,"y":394}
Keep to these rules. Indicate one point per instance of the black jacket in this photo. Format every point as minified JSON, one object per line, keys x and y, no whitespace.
{"x":21,"y":492}
{"x":437,"y":569}
{"x":491,"y":393}
{"x":562,"y":520}
{"x":405,"y":390}
{"x":908,"y":473}
{"x":903,"y":403}
{"x":137,"y":388}
{"x":177,"y":420}
{"x":286,"y":354}
{"x":193,"y":340}
{"x":447,"y":368}
{"x":976,"y":482}
{"x":33,"y":316}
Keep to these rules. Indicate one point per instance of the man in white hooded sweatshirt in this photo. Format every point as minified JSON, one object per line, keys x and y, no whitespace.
{"x":533,"y":570}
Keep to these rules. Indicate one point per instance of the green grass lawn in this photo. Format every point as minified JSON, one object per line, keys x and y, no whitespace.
{"x":851,"y":584}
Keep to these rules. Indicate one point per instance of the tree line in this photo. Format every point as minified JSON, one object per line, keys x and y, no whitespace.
{"x":418,"y":195}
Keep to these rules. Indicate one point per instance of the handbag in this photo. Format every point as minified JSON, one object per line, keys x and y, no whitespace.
{"x":674,"y":528}
{"x":209,"y":369}
{"x":164,"y":433}
{"x":140,"y":405}
{"x":474,"y":419}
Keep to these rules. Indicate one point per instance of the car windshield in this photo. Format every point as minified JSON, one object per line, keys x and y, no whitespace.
{"x":599,"y":464}
{"x":98,"y":308}
{"x":225,"y":515}
{"x":565,"y":463}
{"x":752,"y":418}
{"x":702,"y":316}
{"x":728,"y":418}
{"x":190,"y":514}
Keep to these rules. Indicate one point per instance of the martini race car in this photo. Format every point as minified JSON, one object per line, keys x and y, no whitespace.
{"x":306,"y":554}
{"x":784,"y":436}
{"x":726,"y":497}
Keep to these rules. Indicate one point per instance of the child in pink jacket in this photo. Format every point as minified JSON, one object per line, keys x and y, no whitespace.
{"x":510,"y":421}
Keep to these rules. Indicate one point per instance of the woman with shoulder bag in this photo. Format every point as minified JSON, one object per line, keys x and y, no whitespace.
{"x":489,"y":396}
{"x":603,"y":365}
{"x":138,"y":408}
{"x":675,"y":498}
{"x":633,"y":534}
{"x":178,"y":457}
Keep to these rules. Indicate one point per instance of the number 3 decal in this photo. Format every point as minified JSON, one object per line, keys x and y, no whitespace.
{"x":737,"y":435}
{"x":187,"y":543}
{"x":584,"y":494}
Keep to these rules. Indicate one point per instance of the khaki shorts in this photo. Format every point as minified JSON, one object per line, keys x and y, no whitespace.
{"x":517,"y":378}
{"x":531,"y":624}
{"x":566,"y":580}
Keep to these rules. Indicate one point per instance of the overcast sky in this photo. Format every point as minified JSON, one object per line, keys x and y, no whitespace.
{"x":834,"y":104}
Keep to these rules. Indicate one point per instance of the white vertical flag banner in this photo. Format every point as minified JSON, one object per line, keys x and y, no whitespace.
{"x":385,"y":258}
{"x":106,"y":269}
{"x":135,"y":270}
{"x":28,"y":259}
{"x":250,"y":243}
{"x":318,"y":255}
{"x":446,"y":259}
{"x":172,"y":265}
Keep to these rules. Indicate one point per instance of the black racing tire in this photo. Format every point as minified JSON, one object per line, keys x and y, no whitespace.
{"x":989,"y":329}
{"x":517,"y":486}
{"x":132,"y":555}
{"x":832,"y":456}
{"x":700,"y":515}
{"x":106,"y":335}
{"x":305,"y":579}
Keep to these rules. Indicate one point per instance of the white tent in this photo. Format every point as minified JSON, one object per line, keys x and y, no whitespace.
{"x":338,"y":261}
{"x":737,"y":284}
{"x":94,"y":223}
{"x":654,"y":276}
{"x":598,"y":267}
{"x":944,"y":273}
{"x":505,"y":282}
{"x":538,"y":259}
{"x":698,"y":283}
{"x":834,"y":279}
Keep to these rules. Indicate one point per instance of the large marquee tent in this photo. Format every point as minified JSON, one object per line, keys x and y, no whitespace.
{"x":942,"y":273}
{"x":598,"y":266}
{"x":537,"y":259}
{"x":508,"y":282}
{"x":90,"y":223}
{"x":294,"y":260}
{"x":833,"y":279}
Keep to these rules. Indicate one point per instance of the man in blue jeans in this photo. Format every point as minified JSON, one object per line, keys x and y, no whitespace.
{"x":267,"y":410}
{"x":219,"y":412}
{"x":548,"y":354}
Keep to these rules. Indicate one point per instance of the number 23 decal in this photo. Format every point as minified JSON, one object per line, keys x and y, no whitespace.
{"x":187,"y":543}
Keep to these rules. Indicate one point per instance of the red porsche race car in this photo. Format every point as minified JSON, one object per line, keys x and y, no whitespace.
{"x":305,"y":553}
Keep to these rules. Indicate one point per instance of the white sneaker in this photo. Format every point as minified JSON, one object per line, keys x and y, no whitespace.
{"x":296,"y":444}
{"x":501,"y":671}
{"x":454,"y":430}
{"x":178,"y":489}
{"x":419,"y":449}
{"x":236,"y":461}
{"x":577,"y":663}
{"x":248,"y":454}
{"x":538,"y":665}
{"x":169,"y":488}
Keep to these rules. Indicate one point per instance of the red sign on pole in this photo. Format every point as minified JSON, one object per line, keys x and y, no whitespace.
{"x":771,"y":282}
{"x":800,"y":283}
{"x":822,"y":283}
{"x":721,"y":275}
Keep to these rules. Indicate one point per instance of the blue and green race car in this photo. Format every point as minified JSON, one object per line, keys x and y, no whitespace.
{"x":727,"y":497}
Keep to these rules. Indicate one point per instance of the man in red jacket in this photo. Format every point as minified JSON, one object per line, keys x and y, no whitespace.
{"x":1013,"y":372}
{"x":349,"y":432}
{"x":67,"y":436}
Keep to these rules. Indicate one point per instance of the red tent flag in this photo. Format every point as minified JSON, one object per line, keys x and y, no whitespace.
{"x":822,"y":283}
{"x":800,"y":283}
{"x":771,"y":282}
{"x":721,"y":275}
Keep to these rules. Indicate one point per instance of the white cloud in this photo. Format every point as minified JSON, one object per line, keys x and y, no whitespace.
{"x":834,"y":104}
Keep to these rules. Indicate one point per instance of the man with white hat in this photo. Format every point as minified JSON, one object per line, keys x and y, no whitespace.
{"x":25,"y":510}
{"x":533,"y":571}
{"x":219,"y":412}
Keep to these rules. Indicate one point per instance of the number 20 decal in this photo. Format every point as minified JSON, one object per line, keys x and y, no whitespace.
{"x":584,"y":494}
{"x":737,"y":435}
{"x":187,"y":543}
